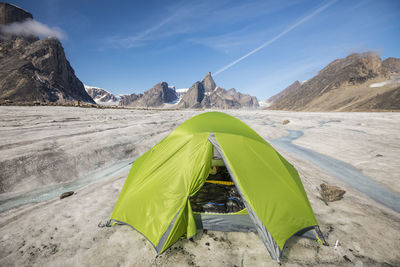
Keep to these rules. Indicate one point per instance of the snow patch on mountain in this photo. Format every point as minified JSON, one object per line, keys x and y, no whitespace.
{"x":181,"y":90}
{"x":264,"y":104}
{"x":393,"y":80}
{"x":102,"y":96}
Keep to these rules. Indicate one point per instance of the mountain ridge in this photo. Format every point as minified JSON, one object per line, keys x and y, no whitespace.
{"x":204,"y":94}
{"x":346,"y":85}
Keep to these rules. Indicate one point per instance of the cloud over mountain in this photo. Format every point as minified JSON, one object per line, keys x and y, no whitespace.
{"x":32,"y":28}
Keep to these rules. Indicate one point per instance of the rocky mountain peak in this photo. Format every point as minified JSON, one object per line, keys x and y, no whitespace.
{"x":11,"y":13}
{"x":355,"y":68}
{"x":208,"y":83}
{"x":34,"y":70}
{"x":127,"y":100}
{"x":167,"y":94}
{"x":206,"y":94}
{"x":391,"y":65}
{"x":193,"y":97}
{"x":157,"y":96}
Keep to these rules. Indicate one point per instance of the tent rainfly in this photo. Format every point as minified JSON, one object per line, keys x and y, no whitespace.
{"x":156,"y":199}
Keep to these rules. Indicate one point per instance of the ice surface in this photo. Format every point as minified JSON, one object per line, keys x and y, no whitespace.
{"x":46,"y":146}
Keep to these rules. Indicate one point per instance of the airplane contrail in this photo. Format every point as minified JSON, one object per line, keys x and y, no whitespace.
{"x":309,"y":16}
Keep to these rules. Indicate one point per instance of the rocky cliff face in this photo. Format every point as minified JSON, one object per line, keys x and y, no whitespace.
{"x":206,"y":94}
{"x":346,"y":85}
{"x":193,"y":97}
{"x":244,"y":100}
{"x":230,"y":99}
{"x":208,"y":83}
{"x":155,"y":97}
{"x":126,"y":100}
{"x":10,"y":13}
{"x":391,"y":65}
{"x":221,"y":98}
{"x":33,"y":69}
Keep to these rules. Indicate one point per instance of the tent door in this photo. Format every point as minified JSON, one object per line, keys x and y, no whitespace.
{"x":266,"y":237}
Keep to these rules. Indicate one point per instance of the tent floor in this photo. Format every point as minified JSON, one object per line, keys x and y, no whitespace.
{"x":216,"y":197}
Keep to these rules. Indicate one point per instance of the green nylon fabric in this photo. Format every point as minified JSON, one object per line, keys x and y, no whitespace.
{"x":270,"y":185}
{"x":161,"y":180}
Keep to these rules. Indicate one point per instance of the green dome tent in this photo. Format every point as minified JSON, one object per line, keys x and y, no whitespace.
{"x":156,"y":197}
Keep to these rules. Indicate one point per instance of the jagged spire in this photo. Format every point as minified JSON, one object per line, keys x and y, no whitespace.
{"x":208,"y":83}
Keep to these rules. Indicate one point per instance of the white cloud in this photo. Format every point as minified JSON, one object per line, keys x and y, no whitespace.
{"x":190,"y":17}
{"x":229,"y":42}
{"x":277,"y":37}
{"x":140,"y":38}
{"x":31,"y":28}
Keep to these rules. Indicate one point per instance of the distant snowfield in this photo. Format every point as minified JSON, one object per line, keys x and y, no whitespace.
{"x":108,"y":103}
{"x":93,"y":87}
{"x":264,"y":104}
{"x":182,"y":90}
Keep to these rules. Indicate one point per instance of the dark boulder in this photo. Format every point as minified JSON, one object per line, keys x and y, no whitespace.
{"x":66,"y":194}
{"x":331,"y":193}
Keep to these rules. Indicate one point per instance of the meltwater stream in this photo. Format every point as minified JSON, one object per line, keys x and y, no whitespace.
{"x":343,"y":171}
{"x":13,"y":200}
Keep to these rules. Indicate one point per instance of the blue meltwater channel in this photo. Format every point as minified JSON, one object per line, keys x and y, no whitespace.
{"x":341,"y":170}
{"x":13,"y":200}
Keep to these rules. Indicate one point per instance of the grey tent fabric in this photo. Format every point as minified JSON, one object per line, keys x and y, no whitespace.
{"x":225,"y":222}
{"x":166,"y":234}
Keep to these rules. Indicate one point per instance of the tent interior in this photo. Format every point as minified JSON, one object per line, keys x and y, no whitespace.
{"x":218,"y":205}
{"x":218,"y":194}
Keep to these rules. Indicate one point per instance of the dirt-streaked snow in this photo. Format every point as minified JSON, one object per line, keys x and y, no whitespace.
{"x":44,"y":145}
{"x":393,"y":80}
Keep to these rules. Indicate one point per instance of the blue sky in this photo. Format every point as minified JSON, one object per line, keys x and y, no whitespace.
{"x":129,"y":46}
